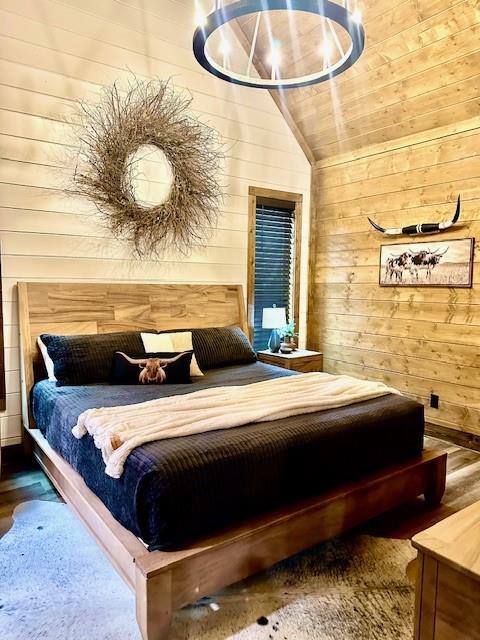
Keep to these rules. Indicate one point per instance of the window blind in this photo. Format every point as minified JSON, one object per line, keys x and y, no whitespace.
{"x":274,"y":261}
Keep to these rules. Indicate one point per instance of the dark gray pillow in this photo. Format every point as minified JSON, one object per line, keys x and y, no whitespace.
{"x":87,"y":359}
{"x":220,"y":347}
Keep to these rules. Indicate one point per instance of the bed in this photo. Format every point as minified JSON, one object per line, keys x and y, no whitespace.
{"x":255,"y":494}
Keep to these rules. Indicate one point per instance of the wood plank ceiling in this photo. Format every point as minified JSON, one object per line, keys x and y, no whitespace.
{"x":419,"y":53}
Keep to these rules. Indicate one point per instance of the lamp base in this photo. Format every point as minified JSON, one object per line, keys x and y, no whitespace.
{"x":274,"y":341}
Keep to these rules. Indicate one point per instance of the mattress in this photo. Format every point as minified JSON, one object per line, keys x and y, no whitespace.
{"x":174,"y":491}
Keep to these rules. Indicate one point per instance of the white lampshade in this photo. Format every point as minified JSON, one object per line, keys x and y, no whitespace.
{"x":274,"y":317}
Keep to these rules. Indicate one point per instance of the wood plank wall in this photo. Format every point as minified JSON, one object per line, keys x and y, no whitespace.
{"x":420,"y":340}
{"x":405,"y":144}
{"x":54,"y":52}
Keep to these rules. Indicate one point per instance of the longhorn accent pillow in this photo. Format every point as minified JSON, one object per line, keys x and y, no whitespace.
{"x":151,"y":368}
{"x":174,"y":342}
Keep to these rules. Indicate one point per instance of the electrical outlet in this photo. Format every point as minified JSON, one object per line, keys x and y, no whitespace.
{"x":434,"y":400}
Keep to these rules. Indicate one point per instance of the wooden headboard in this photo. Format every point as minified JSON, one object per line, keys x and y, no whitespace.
{"x":86,"y":308}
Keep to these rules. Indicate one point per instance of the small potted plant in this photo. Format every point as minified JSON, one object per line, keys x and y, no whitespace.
{"x":287,"y":333}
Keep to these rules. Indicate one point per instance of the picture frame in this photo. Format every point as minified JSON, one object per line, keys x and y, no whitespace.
{"x":439,"y":263}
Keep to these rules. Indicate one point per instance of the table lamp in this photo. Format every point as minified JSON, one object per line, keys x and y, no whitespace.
{"x":273,"y":318}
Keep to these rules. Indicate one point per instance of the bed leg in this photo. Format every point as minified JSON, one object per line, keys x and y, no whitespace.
{"x":154,"y":605}
{"x":436,"y":480}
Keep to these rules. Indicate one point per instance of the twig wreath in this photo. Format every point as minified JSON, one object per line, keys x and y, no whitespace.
{"x":150,"y":113}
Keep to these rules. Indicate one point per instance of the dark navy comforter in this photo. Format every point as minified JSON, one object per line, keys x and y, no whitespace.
{"x":173,"y":491}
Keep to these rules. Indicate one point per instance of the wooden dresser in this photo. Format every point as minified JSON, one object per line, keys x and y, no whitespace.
{"x":300,"y":360}
{"x":447,"y":601}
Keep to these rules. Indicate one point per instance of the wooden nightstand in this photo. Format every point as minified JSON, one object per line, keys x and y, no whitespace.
{"x":300,"y":360}
{"x":447,"y":601}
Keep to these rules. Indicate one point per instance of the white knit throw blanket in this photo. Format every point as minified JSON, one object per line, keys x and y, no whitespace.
{"x":118,"y":430}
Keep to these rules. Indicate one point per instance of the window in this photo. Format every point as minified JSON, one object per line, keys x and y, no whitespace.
{"x":273,"y":258}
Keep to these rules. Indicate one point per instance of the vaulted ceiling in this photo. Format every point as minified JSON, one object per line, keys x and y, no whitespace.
{"x":415,"y":73}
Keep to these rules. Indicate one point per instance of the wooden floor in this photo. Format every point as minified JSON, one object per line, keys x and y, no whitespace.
{"x":21,"y":482}
{"x":463,"y":489}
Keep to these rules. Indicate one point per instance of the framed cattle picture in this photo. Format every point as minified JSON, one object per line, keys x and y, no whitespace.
{"x":443,"y":263}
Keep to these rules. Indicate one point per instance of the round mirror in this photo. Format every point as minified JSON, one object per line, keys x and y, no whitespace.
{"x":152,"y":175}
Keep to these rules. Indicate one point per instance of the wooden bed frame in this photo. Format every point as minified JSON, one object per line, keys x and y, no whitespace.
{"x":165,"y":581}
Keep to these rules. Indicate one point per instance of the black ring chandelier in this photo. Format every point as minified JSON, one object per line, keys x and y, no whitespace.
{"x":331,"y":11}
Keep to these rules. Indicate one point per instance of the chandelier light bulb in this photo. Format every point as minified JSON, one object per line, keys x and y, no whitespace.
{"x":225,"y":47}
{"x":326,"y":48}
{"x":357,"y":16}
{"x":274,"y":57}
{"x":200,"y":18}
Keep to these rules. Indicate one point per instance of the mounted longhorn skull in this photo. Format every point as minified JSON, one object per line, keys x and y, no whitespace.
{"x":414,"y":229}
{"x":152,"y":369}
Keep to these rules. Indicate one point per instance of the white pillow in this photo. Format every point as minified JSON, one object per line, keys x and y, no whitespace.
{"x":171,"y":343}
{"x":47,"y":360}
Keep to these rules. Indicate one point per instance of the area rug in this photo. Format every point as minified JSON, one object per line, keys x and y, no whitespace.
{"x":55,"y":584}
